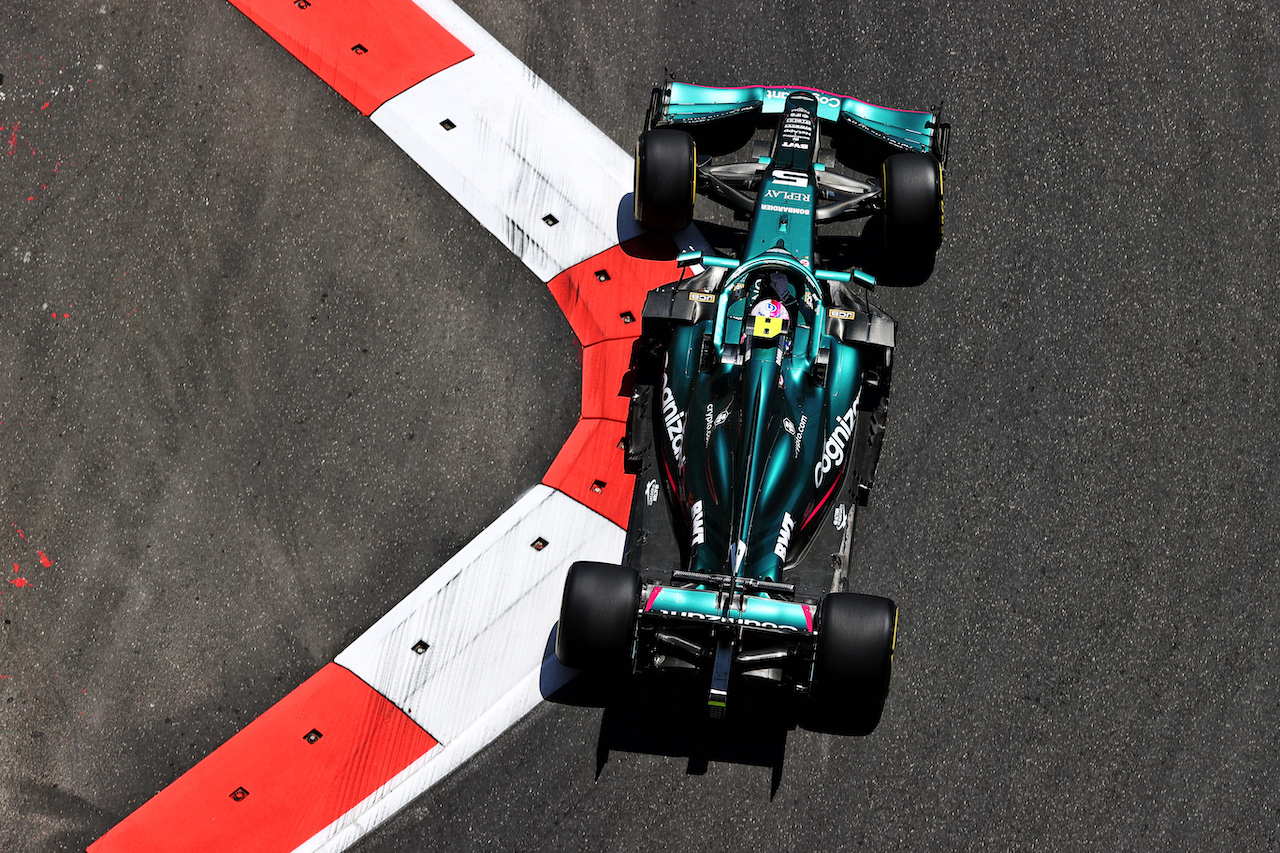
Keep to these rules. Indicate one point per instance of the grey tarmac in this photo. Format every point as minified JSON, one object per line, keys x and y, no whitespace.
{"x":288,"y":377}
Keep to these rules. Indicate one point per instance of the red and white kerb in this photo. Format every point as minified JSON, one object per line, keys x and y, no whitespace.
{"x":465,"y":655}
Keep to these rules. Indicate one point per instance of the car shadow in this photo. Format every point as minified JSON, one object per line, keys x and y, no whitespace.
{"x":867,"y":251}
{"x":666,"y":715}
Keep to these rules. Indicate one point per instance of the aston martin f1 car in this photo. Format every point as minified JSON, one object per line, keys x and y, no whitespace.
{"x":760,"y":387}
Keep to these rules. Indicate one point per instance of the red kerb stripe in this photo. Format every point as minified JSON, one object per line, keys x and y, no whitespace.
{"x":296,"y":769}
{"x":603,"y":296}
{"x":368,"y":50}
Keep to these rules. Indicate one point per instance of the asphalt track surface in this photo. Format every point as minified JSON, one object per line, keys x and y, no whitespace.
{"x":259,"y":376}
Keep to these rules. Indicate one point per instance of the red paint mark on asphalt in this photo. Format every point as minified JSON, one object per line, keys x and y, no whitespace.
{"x":20,"y":582}
{"x":13,"y":138}
{"x":46,"y":106}
{"x":15,"y":568}
{"x":44,"y":560}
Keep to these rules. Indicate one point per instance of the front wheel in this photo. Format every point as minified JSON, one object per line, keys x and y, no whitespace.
{"x":666,"y":180}
{"x":598,"y":616}
{"x":913,"y":218}
{"x":853,"y":662}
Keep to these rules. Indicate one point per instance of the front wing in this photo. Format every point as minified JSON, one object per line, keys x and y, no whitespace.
{"x":689,"y":106}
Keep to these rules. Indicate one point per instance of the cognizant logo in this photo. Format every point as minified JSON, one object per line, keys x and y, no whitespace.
{"x":674,"y":419}
{"x":833,"y":450}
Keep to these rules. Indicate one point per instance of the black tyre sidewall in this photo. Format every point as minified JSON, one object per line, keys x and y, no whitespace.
{"x":913,"y":203}
{"x":665,"y":176}
{"x":854,"y":661}
{"x":598,"y":616}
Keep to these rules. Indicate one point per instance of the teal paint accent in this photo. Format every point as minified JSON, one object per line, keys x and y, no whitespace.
{"x":713,"y":261}
{"x":706,"y":605}
{"x":756,"y":447}
{"x":906,"y":127}
{"x":747,"y":470}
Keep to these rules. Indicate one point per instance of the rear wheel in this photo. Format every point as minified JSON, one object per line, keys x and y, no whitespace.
{"x":598,"y":616}
{"x":666,"y":176}
{"x":913,"y":221}
{"x":853,"y":663}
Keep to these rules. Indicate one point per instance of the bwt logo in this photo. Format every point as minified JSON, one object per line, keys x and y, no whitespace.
{"x":784,"y":536}
{"x":695,"y":522}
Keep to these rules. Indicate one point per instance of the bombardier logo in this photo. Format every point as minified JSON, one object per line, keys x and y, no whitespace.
{"x":695,"y":522}
{"x":674,"y":419}
{"x":833,"y":451}
{"x":784,"y":536}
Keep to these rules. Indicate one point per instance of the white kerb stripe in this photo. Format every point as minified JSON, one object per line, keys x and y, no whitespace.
{"x":486,"y":615}
{"x":516,"y":154}
{"x":441,"y":760}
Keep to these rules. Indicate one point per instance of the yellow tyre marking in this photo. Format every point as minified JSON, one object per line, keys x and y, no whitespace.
{"x":693,"y":194}
{"x":893,"y":645}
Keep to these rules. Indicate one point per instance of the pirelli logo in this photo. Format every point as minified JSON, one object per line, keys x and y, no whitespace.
{"x":841,"y":314}
{"x":702,"y":297}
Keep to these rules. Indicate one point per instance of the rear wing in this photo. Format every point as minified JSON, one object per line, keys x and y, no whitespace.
{"x":739,"y":111}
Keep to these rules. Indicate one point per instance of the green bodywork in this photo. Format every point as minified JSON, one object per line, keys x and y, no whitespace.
{"x":756,"y":430}
{"x":911,"y":130}
{"x":752,"y":611}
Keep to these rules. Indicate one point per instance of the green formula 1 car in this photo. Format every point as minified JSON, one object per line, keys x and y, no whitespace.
{"x":761,"y":386}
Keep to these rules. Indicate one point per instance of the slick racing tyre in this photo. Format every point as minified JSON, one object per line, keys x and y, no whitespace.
{"x":598,"y":616}
{"x":913,"y":204}
{"x":853,"y":663}
{"x":666,"y":180}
